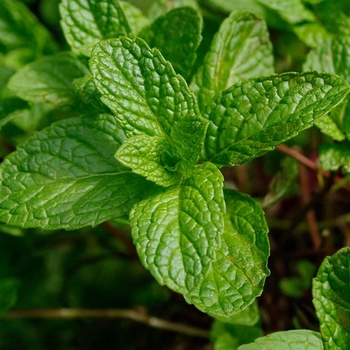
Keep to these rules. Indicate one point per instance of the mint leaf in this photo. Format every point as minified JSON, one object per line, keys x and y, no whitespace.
{"x":284,"y":183}
{"x":160,"y":7}
{"x":177,"y":35}
{"x":137,"y":21}
{"x":240,"y":268}
{"x":65,"y":176}
{"x":176,"y":231}
{"x":19,"y":28}
{"x":331,"y":292}
{"x":297,"y":340}
{"x":312,"y":34}
{"x":334,"y":156}
{"x":149,"y":156}
{"x":180,"y":237}
{"x":292,"y":11}
{"x":241,"y":49}
{"x":147,"y":97}
{"x":248,"y":317}
{"x":86,"y":22}
{"x":49,"y":79}
{"x":253,"y":116}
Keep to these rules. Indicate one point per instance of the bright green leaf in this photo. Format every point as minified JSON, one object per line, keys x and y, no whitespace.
{"x":65,"y":176}
{"x":253,"y":116}
{"x":49,"y":79}
{"x":150,"y":157}
{"x":248,"y":317}
{"x":240,"y":268}
{"x":331,"y":291}
{"x":288,"y":340}
{"x":177,"y":231}
{"x":86,"y":22}
{"x":293,"y":11}
{"x":177,"y":35}
{"x":312,"y":34}
{"x":148,"y":97}
{"x":241,"y":49}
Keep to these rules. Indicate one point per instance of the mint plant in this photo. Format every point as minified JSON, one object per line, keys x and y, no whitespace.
{"x":145,"y":125}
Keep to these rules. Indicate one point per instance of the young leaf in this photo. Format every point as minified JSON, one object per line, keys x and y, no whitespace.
{"x":253,"y":116}
{"x":86,"y":22}
{"x":149,"y":156}
{"x":177,"y":35}
{"x":65,"y":176}
{"x":160,"y":7}
{"x":147,"y":97}
{"x":331,"y":292}
{"x":241,"y":49}
{"x":49,"y":79}
{"x":301,"y":339}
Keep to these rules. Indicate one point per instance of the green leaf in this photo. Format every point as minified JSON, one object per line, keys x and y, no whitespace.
{"x":150,"y":157}
{"x":240,"y":268}
{"x":226,"y":336}
{"x":253,"y":116}
{"x":312,"y":34}
{"x":147,"y":97}
{"x":86,"y":22}
{"x":334,"y":156}
{"x":248,"y":317}
{"x":8,"y":294}
{"x":19,"y":28}
{"x":331,"y":290}
{"x":137,"y":21}
{"x":49,"y":79}
{"x":160,"y":7}
{"x":177,"y":35}
{"x":292,"y":11}
{"x":297,"y":340}
{"x":284,"y":183}
{"x":180,"y":237}
{"x":65,"y":176}
{"x":241,"y":49}
{"x":176,"y":230}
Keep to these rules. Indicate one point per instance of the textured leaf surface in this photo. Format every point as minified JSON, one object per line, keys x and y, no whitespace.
{"x":331,"y":291}
{"x":66,"y":176}
{"x":252,"y":117}
{"x":240,"y":267}
{"x":180,"y":237}
{"x":147,"y":97}
{"x":176,"y":231}
{"x":288,"y":340}
{"x":86,"y":22}
{"x":49,"y":79}
{"x":149,"y":156}
{"x":241,"y":49}
{"x":177,"y":35}
{"x":293,"y":11}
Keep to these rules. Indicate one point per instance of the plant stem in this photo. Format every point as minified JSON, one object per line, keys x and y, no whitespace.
{"x":111,"y":314}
